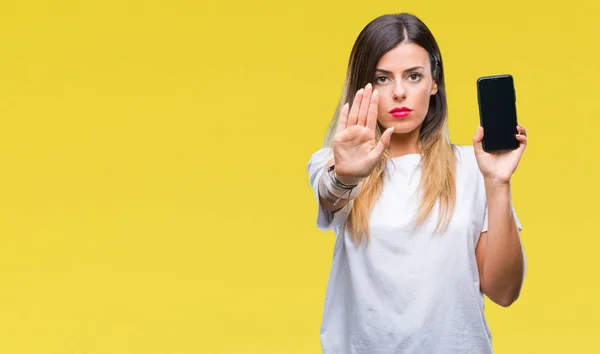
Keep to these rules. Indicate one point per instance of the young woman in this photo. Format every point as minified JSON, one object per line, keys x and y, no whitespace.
{"x":424,"y":228}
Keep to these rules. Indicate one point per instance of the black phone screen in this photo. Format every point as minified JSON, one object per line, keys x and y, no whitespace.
{"x":498,"y":112}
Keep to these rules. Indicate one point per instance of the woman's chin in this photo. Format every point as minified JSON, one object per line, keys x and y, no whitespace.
{"x":402,"y":127}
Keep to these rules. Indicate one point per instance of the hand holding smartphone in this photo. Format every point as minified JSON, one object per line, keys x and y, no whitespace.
{"x":498,"y":112}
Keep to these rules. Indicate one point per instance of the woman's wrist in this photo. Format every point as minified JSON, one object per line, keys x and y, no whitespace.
{"x":334,"y":189}
{"x":346,"y":180}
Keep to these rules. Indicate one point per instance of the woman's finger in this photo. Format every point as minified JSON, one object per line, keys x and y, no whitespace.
{"x":478,"y":137}
{"x":521,"y":130}
{"x":521,"y":138}
{"x":353,"y":116}
{"x":382,"y":145}
{"x":343,"y":119}
{"x":364,"y":106}
{"x":373,"y":110}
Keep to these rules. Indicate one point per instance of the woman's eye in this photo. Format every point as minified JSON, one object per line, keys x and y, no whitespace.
{"x":381,"y":79}
{"x":414,"y":77}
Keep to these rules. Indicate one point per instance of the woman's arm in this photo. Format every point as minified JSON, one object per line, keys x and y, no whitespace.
{"x":499,"y":251}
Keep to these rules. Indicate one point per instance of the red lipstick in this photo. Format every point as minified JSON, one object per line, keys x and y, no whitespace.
{"x":400,"y":112}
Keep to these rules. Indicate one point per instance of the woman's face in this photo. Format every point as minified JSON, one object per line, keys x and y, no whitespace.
{"x":404,"y":80}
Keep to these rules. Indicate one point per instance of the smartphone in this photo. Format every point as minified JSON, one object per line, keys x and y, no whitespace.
{"x":498,"y":112}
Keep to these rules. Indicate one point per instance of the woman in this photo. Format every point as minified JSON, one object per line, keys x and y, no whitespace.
{"x":424,"y":228}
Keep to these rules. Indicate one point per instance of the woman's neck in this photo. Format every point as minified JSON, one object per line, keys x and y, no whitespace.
{"x":404,"y":144}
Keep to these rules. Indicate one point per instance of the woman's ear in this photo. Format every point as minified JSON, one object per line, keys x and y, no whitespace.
{"x":434,"y":88}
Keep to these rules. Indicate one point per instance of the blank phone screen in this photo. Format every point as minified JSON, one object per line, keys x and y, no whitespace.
{"x":498,"y":113}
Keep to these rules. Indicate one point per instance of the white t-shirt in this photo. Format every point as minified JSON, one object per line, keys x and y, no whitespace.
{"x":408,"y":291}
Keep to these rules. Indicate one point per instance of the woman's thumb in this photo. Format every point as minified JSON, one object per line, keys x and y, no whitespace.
{"x":383,"y":143}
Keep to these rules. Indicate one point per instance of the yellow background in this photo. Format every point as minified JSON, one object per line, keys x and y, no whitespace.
{"x":154,"y":195}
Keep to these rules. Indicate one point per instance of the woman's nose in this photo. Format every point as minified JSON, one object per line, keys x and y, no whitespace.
{"x":399,"y":92}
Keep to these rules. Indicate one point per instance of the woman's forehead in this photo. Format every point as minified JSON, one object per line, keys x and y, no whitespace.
{"x":403,"y":57}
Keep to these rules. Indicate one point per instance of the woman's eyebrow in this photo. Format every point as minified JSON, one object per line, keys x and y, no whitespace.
{"x":405,"y":71}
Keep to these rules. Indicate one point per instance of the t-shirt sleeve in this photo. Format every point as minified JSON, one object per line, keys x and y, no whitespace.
{"x":512,"y":207}
{"x":326,"y":219}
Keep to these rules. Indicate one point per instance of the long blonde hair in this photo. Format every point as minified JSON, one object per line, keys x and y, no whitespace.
{"x":438,"y":161}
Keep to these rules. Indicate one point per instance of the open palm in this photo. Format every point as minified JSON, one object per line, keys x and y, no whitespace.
{"x":355,"y":148}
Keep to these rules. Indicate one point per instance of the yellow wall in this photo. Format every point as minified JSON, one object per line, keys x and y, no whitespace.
{"x":154,"y":195}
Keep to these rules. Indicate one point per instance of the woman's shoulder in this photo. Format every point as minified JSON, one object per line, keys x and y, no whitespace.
{"x":465,"y":157}
{"x":464,"y":153}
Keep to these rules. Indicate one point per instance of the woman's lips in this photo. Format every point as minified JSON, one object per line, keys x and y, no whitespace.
{"x":400,"y":112}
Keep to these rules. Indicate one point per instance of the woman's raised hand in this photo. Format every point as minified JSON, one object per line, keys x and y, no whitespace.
{"x":355,"y":149}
